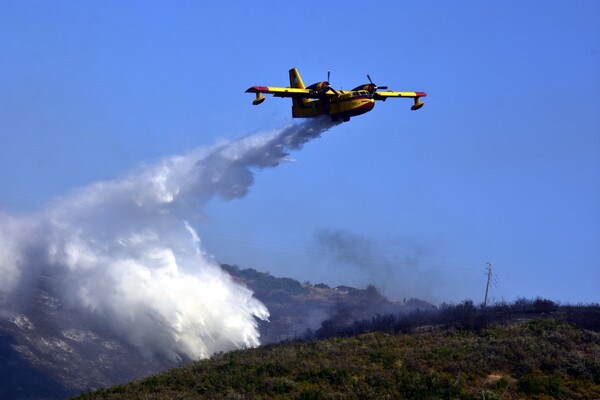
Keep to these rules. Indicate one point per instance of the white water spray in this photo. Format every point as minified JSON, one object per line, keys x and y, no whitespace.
{"x":126,"y":251}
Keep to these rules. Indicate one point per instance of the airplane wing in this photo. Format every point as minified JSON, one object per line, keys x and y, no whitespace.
{"x":287,"y":92}
{"x":415,"y":95}
{"x":284,"y":91}
{"x":389,"y":93}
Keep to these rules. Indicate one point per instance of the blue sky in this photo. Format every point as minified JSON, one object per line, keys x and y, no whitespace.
{"x":502,"y":163}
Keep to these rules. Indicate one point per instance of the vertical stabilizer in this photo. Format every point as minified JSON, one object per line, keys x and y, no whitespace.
{"x":295,"y":79}
{"x":302,"y":107}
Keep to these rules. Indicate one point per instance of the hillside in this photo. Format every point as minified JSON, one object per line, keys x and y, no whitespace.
{"x":49,"y":349}
{"x":297,"y":308}
{"x":539,"y":358}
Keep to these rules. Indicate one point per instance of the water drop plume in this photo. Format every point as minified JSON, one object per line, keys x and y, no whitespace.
{"x":126,"y":250}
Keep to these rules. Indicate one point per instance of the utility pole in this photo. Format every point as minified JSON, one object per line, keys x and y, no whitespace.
{"x":487,"y":287}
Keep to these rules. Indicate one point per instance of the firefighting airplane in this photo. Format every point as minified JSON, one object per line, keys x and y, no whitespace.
{"x":320,"y":98}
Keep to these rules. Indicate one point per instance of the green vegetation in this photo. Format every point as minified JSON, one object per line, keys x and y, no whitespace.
{"x":540,"y":359}
{"x":265,"y":282}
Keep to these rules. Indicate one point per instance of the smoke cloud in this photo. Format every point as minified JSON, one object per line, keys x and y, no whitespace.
{"x":126,"y":252}
{"x":399,"y":274}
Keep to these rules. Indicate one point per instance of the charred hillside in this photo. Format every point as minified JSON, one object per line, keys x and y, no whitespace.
{"x":464,"y":316}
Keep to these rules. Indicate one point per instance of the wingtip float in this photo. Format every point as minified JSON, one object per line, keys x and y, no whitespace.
{"x":321,"y":99}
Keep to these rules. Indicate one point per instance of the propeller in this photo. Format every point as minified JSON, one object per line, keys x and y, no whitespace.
{"x":375,"y":87}
{"x":328,"y":85}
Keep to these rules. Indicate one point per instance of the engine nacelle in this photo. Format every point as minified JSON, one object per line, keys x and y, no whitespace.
{"x":369,"y":87}
{"x":319,"y":87}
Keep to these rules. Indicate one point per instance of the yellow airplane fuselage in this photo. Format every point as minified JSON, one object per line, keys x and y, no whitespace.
{"x":348,"y":104}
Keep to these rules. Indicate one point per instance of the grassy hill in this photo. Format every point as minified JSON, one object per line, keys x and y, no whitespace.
{"x":543,"y":358}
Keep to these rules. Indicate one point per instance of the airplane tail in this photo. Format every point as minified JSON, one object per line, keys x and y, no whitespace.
{"x":302,"y":107}
{"x":295,"y":79}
